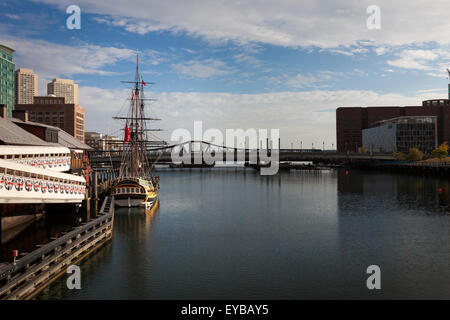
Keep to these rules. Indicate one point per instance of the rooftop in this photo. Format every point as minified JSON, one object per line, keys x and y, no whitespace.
{"x":408,"y":119}
{"x":10,"y":133}
{"x":64,"y":138}
{"x":7,"y":49}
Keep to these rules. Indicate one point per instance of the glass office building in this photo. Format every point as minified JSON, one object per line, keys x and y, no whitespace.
{"x":402,"y":133}
{"x":7,"y":78}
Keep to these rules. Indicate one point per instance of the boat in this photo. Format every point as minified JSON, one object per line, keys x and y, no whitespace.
{"x":136,"y":186}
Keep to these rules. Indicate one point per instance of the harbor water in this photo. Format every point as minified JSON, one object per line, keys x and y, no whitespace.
{"x":233,"y":234}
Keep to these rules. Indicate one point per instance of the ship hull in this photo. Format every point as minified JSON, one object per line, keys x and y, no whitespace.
{"x":132,"y":192}
{"x":131,"y":202}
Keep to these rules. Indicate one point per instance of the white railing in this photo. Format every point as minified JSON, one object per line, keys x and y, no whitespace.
{"x":58,"y":163}
{"x":52,"y":158}
{"x":26,"y":184}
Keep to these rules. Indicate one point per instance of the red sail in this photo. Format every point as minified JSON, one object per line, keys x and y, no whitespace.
{"x":127,"y":134}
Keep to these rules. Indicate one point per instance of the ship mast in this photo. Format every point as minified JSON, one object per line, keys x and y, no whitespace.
{"x":134,"y":160}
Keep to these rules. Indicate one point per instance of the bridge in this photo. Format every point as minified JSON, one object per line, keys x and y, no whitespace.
{"x":198,"y":152}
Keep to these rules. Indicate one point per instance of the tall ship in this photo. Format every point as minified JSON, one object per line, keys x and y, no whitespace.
{"x":136,"y":186}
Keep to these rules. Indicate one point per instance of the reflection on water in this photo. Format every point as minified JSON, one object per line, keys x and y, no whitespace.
{"x":25,"y":237}
{"x":233,"y":234}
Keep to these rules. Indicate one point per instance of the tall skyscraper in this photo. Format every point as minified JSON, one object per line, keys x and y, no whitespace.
{"x":26,"y":83}
{"x":7,"y":78}
{"x":64,"y":88}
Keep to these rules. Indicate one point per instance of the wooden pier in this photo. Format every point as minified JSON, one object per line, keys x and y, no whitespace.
{"x":31,"y":273}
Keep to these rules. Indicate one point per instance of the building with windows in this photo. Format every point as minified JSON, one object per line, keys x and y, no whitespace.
{"x":54,"y":111}
{"x":26,"y":86}
{"x":94,"y":140}
{"x":64,"y":88}
{"x":351,"y":121}
{"x":400,"y":134}
{"x":112,"y":143}
{"x":7,"y":67}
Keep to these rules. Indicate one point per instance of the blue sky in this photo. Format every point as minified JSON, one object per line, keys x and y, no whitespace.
{"x":255,"y":64}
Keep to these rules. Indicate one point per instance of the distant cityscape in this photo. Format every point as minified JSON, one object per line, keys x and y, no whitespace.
{"x":385,"y":129}
{"x":21,"y":104}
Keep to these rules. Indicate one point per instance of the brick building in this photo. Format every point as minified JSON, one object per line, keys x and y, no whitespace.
{"x":56,"y":112}
{"x":350,"y":121}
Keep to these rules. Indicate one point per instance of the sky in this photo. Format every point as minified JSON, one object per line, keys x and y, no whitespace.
{"x":283,"y":65}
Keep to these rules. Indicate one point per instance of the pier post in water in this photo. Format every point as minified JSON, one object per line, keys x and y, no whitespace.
{"x":96,"y":192}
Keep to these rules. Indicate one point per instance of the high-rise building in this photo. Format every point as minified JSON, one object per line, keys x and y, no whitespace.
{"x":7,"y":78}
{"x":64,"y":88}
{"x":56,"y":112}
{"x":26,"y":85}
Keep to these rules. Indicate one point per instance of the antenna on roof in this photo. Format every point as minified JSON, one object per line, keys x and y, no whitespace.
{"x":448,"y":71}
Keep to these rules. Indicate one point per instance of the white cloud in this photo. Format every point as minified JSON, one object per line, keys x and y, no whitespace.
{"x":434,"y":90}
{"x":420,"y":59}
{"x":318,"y":79}
{"x":300,"y":81}
{"x":246,"y":59}
{"x":323,"y":24}
{"x":340,"y":51}
{"x":202,"y":69}
{"x":139,"y":26}
{"x":12,"y":16}
{"x":381,"y":50}
{"x":51,"y":60}
{"x":307,"y":115}
{"x":188,"y":50}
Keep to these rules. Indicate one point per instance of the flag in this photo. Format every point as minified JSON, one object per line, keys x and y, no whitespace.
{"x":132,"y":95}
{"x":127,"y":134}
{"x":143,"y":83}
{"x":137,"y":59}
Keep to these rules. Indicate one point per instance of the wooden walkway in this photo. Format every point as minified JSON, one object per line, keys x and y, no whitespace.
{"x":36,"y":270}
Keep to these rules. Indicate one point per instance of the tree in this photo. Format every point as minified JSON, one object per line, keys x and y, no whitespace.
{"x":362,"y":150}
{"x":399,"y":156}
{"x":415,"y":154}
{"x":441,"y":152}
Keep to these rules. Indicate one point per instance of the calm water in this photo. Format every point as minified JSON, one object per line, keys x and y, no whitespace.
{"x":232,"y":234}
